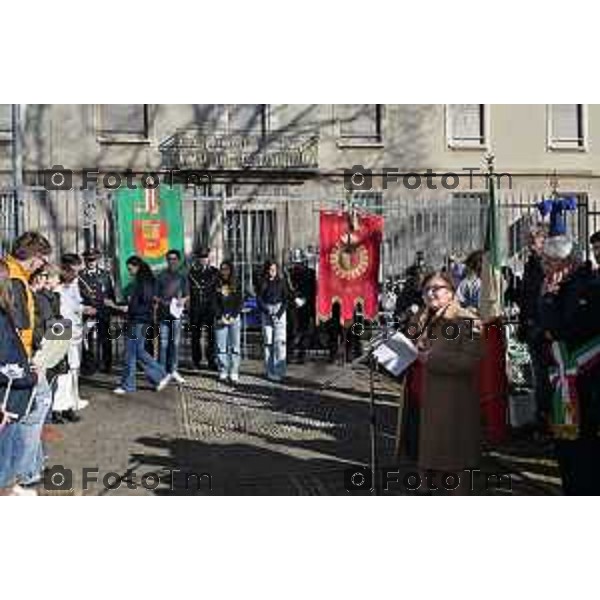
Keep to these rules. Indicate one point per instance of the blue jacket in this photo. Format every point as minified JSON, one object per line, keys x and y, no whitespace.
{"x":12,"y":351}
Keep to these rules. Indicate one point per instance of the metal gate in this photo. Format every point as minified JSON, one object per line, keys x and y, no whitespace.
{"x":251,"y":228}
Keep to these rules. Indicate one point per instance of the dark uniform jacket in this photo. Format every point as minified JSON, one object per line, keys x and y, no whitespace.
{"x":203,"y":284}
{"x":531,"y":292}
{"x":95,"y":286}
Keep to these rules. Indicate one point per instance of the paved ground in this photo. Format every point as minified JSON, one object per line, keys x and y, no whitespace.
{"x":258,"y":438}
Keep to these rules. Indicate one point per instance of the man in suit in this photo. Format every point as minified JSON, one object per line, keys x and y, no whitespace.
{"x":203,"y":280}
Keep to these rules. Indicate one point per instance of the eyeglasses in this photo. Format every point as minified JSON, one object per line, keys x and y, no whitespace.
{"x":434,"y":289}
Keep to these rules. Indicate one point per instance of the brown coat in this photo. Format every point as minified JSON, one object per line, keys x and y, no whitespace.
{"x":450,"y":424}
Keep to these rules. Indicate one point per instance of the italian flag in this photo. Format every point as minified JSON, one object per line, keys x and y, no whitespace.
{"x":493,"y":378}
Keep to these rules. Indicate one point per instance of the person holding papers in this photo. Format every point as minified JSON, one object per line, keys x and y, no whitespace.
{"x":173,"y":295}
{"x":448,"y":340}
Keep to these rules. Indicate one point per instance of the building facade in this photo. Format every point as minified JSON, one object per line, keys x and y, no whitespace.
{"x":265,"y":171}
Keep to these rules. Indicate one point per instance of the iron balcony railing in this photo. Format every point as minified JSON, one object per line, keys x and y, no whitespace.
{"x":196,"y":149}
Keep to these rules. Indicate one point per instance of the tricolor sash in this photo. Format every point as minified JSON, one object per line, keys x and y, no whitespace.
{"x":563,"y":376}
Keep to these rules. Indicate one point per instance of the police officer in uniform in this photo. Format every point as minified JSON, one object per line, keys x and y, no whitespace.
{"x":96,"y":286}
{"x":203,"y":281}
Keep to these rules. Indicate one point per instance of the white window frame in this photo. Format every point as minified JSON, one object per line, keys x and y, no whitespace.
{"x":466,"y":144}
{"x":346,"y":141}
{"x":553,"y":144}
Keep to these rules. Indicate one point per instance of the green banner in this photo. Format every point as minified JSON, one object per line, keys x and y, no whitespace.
{"x":149,"y":223}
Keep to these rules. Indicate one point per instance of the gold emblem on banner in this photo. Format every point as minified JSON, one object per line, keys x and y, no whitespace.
{"x":349,"y":259}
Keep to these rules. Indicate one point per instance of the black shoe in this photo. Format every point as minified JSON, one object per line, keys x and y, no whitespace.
{"x":71,"y":416}
{"x":57,"y":418}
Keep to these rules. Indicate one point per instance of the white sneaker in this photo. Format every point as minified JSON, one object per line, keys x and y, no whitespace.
{"x":17,"y":490}
{"x":235,"y":378}
{"x":222,"y":376}
{"x":163,"y":383}
{"x":82,"y":404}
{"x":119,"y":391}
{"x":178,"y":378}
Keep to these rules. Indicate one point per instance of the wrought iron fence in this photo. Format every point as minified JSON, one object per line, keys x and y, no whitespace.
{"x":251,"y":228}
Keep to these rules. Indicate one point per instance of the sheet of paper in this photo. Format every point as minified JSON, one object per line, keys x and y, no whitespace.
{"x":176,"y":308}
{"x":396,"y":354}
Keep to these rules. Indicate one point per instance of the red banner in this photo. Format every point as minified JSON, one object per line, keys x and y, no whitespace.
{"x":349,"y":264}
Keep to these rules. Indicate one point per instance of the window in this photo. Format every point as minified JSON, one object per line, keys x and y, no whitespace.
{"x":466,"y":125}
{"x":249,"y":240}
{"x":123,"y":121}
{"x":6,"y":129}
{"x":359,"y":123}
{"x":566,"y":126}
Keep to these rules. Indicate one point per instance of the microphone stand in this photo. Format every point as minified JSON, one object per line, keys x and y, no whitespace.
{"x":369,"y":358}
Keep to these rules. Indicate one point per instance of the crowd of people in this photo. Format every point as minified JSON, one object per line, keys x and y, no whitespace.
{"x":557,"y":300}
{"x":70,"y":312}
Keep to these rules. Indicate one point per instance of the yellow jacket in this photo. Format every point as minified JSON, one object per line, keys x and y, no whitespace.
{"x":16,"y":271}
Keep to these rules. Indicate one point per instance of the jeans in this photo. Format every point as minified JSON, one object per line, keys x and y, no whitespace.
{"x":274,"y":337}
{"x":8,"y":455}
{"x":135,"y":350}
{"x":170,"y":339}
{"x":29,"y":463}
{"x":202,"y":320}
{"x":228,"y":347}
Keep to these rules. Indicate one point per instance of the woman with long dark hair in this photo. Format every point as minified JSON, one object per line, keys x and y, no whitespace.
{"x":140,"y":313}
{"x":227,"y":309}
{"x":272,"y":302}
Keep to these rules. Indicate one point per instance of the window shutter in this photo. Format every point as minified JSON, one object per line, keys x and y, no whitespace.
{"x":566,"y":123}
{"x":359,"y":121}
{"x":124,"y":119}
{"x":466,"y":122}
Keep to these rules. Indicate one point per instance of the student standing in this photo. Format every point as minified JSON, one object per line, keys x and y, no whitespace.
{"x":227,"y":309}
